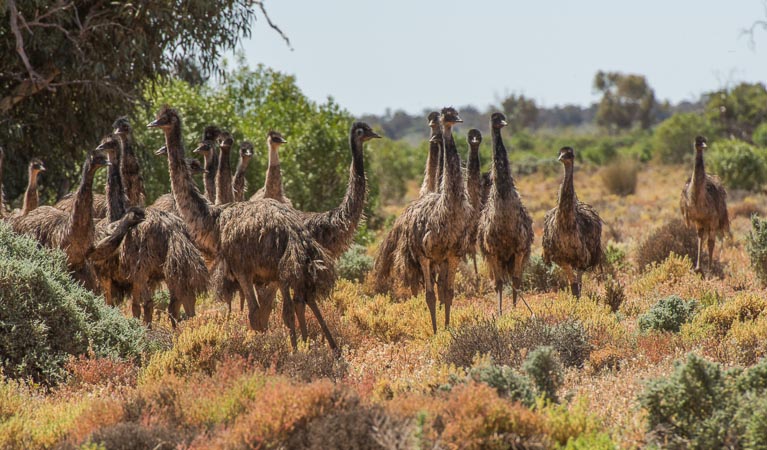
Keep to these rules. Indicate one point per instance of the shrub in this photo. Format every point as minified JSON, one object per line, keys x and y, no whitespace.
{"x":506,"y":382}
{"x":482,"y":338}
{"x":620,"y":177}
{"x":760,"y":135}
{"x":568,"y":338}
{"x":756,"y":245}
{"x":672,"y":237}
{"x":668,"y":314}
{"x":46,"y":317}
{"x":673,"y":139}
{"x":355,"y":264}
{"x":702,"y":406}
{"x":544,"y":367}
{"x":539,"y":277}
{"x":134,"y":436}
{"x":599,"y":153}
{"x":738,"y":164}
{"x":614,"y":294}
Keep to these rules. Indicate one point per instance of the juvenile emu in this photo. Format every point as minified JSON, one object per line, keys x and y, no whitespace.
{"x":31,"y":198}
{"x":572,"y":231}
{"x":208,"y":149}
{"x":505,"y":233}
{"x":704,"y":204}
{"x":257,"y":242}
{"x":239,"y":183}
{"x":273,"y":182}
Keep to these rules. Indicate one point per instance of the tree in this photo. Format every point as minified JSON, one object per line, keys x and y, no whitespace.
{"x":70,"y":67}
{"x":521,"y":112}
{"x":673,"y":139}
{"x":627,"y":100}
{"x":739,"y":111}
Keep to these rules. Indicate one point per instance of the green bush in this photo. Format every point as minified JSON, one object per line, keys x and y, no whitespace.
{"x":568,"y":338}
{"x":600,"y":153}
{"x":355,"y":264}
{"x":539,"y":277}
{"x":760,"y":135}
{"x":545,"y":368}
{"x":45,"y":317}
{"x":668,"y":314}
{"x":738,"y":164}
{"x":756,"y":245}
{"x":702,"y":406}
{"x":482,"y":338}
{"x":620,"y":177}
{"x":507,"y":382}
{"x":673,"y":139}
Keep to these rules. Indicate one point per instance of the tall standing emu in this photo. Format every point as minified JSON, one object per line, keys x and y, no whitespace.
{"x":259,"y":242}
{"x":273,"y":183}
{"x":71,"y":231}
{"x":129,"y":166}
{"x":224,"y":173}
{"x":207,"y":148}
{"x":432,"y":231}
{"x":704,"y":204}
{"x":31,"y":197}
{"x":239,"y":183}
{"x":432,"y":175}
{"x":474,"y":190}
{"x":572,"y":231}
{"x":505,"y":230}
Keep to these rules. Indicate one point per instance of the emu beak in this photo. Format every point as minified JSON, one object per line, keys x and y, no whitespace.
{"x":434,"y":138}
{"x":161,"y":151}
{"x":108,"y":163}
{"x":101,"y":148}
{"x":153,"y":124}
{"x":433,"y":123}
{"x":561,"y":155}
{"x":198,"y":149}
{"x":117,"y":131}
{"x":458,"y":119}
{"x":42,"y":168}
{"x":374,"y":135}
{"x":504,"y":123}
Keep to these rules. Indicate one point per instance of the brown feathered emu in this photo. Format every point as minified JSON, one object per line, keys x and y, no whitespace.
{"x":106,"y":247}
{"x":224,"y":173}
{"x":273,"y":182}
{"x":431,"y":234}
{"x":67,"y":202}
{"x":432,"y":176}
{"x":207,"y":148}
{"x":572,"y":231}
{"x":505,"y":229}
{"x":130,"y":169}
{"x":258,"y":242}
{"x":239,"y":183}
{"x":2,"y":192}
{"x":157,"y":250}
{"x":704,"y":204}
{"x":71,"y":231}
{"x":474,"y":190}
{"x":165,"y":202}
{"x":31,"y":198}
{"x":334,"y":230}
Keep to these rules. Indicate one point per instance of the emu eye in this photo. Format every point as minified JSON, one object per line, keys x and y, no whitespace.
{"x":359,"y":131}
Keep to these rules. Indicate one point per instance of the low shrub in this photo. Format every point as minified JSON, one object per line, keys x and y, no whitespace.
{"x":544,"y":367}
{"x":46,"y":317}
{"x":668,"y":314}
{"x":569,"y":338}
{"x":738,"y":164}
{"x":355,"y":264}
{"x":506,"y":381}
{"x":614,"y":295}
{"x":599,"y":153}
{"x":540,"y":277}
{"x":672,"y":237}
{"x":620,"y":177}
{"x":703,"y":406}
{"x":482,"y":338}
{"x":756,"y":245}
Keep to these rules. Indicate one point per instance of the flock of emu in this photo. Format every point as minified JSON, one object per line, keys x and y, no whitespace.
{"x":218,"y":241}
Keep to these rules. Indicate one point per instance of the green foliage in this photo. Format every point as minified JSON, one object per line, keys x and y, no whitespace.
{"x":521,"y":112}
{"x":738,"y":111}
{"x":627,"y":100}
{"x":355,"y":264}
{"x":522,"y":141}
{"x":248,"y":103}
{"x":97,"y":57}
{"x":738,"y":164}
{"x":45,"y":317}
{"x":540,"y":277}
{"x":600,"y":153}
{"x":702,"y":406}
{"x":756,"y":245}
{"x":544,"y":367}
{"x":760,"y":135}
{"x":668,"y":314}
{"x":673,"y":139}
{"x":506,"y":381}
{"x":569,"y":338}
{"x":393,"y":164}
{"x":620,"y":177}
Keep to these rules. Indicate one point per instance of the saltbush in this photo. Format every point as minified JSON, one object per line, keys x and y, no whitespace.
{"x":756,"y":245}
{"x":506,"y":381}
{"x":544,"y":367}
{"x":668,"y":314}
{"x":703,"y":406}
{"x":671,"y":237}
{"x":738,"y":164}
{"x":355,"y":264}
{"x":540,"y":277}
{"x":46,"y":317}
{"x":620,"y":177}
{"x":569,"y":338}
{"x":482,"y":338}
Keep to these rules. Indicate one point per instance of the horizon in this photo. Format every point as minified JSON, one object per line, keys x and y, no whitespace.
{"x":584,"y":38}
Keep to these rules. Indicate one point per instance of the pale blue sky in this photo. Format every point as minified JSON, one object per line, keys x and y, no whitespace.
{"x":411,"y":54}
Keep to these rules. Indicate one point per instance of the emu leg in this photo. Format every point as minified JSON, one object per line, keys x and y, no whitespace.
{"x":174,"y":309}
{"x":246,"y":286}
{"x":451,"y":268}
{"x":700,"y":250}
{"x":148,"y":305}
{"x":266,"y":295}
{"x":289,"y":319}
{"x":578,"y":282}
{"x":711,"y":244}
{"x":499,"y":295}
{"x":516,"y":277}
{"x":431,"y":298}
{"x":136,"y":300}
{"x":573,"y":282}
{"x":325,"y":330}
{"x":300,"y":307}
{"x":474,"y":260}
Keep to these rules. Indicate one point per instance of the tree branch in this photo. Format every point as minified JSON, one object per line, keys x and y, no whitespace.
{"x":751,"y":31}
{"x":14,"y":19}
{"x":274,"y":26}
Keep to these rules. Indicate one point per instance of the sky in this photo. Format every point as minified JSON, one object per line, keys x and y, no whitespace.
{"x":417,"y":54}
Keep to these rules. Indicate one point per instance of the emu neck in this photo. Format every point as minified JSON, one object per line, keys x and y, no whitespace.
{"x":116,"y":199}
{"x":80,"y":233}
{"x":430,"y":174}
{"x":473,"y":175}
{"x":273,"y":182}
{"x":453,"y":179}
{"x":31,"y":199}
{"x":438,"y":183}
{"x":224,"y":177}
{"x":211,"y":166}
{"x":698,"y":174}
{"x":502,"y":179}
{"x":567,"y":198}
{"x":238,"y":184}
{"x":130,"y":173}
